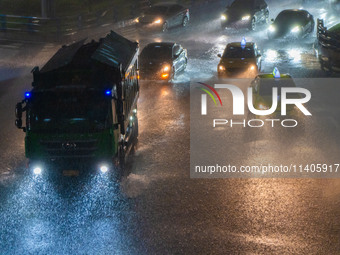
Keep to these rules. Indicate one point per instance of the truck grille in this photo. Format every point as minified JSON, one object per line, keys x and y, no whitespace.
{"x":70,"y":148}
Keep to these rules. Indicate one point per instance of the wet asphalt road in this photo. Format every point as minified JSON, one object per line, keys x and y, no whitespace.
{"x":158,"y":209}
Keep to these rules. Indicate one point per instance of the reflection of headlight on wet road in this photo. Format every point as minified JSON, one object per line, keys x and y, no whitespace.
{"x":271,"y":55}
{"x":296,"y":29}
{"x":223,"y":17}
{"x":247,"y":17}
{"x":295,"y":55}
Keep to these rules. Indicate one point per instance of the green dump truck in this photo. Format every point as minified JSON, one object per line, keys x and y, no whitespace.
{"x":327,"y":47}
{"x":81,"y":114}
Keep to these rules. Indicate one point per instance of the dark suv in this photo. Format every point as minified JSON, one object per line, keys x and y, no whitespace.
{"x":245,"y":13}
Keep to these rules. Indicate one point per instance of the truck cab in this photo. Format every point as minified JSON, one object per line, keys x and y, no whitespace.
{"x":81,"y":114}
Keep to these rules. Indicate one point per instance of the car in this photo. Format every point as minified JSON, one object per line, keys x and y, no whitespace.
{"x":245,"y":13}
{"x":292,"y":23}
{"x":239,"y":57}
{"x":327,"y":47}
{"x":163,"y":60}
{"x":161,"y":17}
{"x":263,"y":85}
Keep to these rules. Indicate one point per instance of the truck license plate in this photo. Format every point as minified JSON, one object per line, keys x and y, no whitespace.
{"x":70,"y":173}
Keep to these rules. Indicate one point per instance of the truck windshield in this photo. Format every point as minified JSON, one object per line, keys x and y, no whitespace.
{"x":69,"y":112}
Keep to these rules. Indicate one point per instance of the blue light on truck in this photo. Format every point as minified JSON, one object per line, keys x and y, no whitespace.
{"x":27,"y":95}
{"x":108,"y":92}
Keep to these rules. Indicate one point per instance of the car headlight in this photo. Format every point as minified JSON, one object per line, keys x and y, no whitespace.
{"x":223,"y":17}
{"x":272,"y":28}
{"x":166,"y":68}
{"x":137,"y":20}
{"x":104,"y":168}
{"x":252,"y":68}
{"x":247,"y":17}
{"x":263,"y":107}
{"x":157,"y":21}
{"x":221,"y":68}
{"x":296,"y":29}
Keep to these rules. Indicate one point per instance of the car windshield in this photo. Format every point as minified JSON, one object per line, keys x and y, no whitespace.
{"x":267,"y":85}
{"x":161,"y":52}
{"x":239,"y":52}
{"x":69,"y":112}
{"x":291,"y":16}
{"x":242,"y":4}
{"x":156,"y":10}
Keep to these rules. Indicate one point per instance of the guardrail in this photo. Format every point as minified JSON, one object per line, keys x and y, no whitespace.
{"x":70,"y":28}
{"x":51,"y":29}
{"x":326,"y":38}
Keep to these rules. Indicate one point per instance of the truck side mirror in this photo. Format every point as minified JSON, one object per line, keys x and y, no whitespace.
{"x":18,"y":123}
{"x":18,"y":111}
{"x":272,"y":20}
{"x":18,"y":115}
{"x":219,"y":55}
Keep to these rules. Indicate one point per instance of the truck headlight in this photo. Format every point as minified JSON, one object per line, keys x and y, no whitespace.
{"x":223,"y":17}
{"x":247,"y":17}
{"x":37,"y":170}
{"x":104,"y":169}
{"x":252,"y":68}
{"x":296,"y":29}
